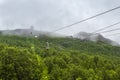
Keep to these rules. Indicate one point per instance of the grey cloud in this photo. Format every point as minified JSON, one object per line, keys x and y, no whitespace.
{"x":53,"y":14}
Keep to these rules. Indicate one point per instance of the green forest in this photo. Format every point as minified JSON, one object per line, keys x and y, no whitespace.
{"x":26,"y":58}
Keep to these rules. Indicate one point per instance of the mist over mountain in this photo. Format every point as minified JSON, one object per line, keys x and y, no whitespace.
{"x":81,"y":35}
{"x":29,"y":32}
{"x":94,"y":37}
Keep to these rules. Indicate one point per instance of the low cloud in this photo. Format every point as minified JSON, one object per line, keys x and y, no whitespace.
{"x":50,"y":15}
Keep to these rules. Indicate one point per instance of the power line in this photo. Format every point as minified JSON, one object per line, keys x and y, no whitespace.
{"x":87,"y":19}
{"x":110,"y":30}
{"x":106,"y":27}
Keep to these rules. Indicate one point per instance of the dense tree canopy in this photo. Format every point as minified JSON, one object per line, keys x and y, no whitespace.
{"x":25,"y":58}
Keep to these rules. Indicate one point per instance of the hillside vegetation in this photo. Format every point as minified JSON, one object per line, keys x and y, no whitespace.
{"x":25,"y":58}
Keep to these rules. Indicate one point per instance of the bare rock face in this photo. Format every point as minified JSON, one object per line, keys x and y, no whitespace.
{"x":94,"y":37}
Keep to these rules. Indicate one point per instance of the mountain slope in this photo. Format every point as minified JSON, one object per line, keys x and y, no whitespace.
{"x":94,"y":37}
{"x":67,"y":59}
{"x":29,"y":32}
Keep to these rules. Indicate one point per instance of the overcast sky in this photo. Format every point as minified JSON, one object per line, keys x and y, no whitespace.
{"x":49,"y":15}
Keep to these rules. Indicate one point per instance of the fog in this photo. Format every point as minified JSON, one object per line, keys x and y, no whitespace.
{"x":49,"y":15}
